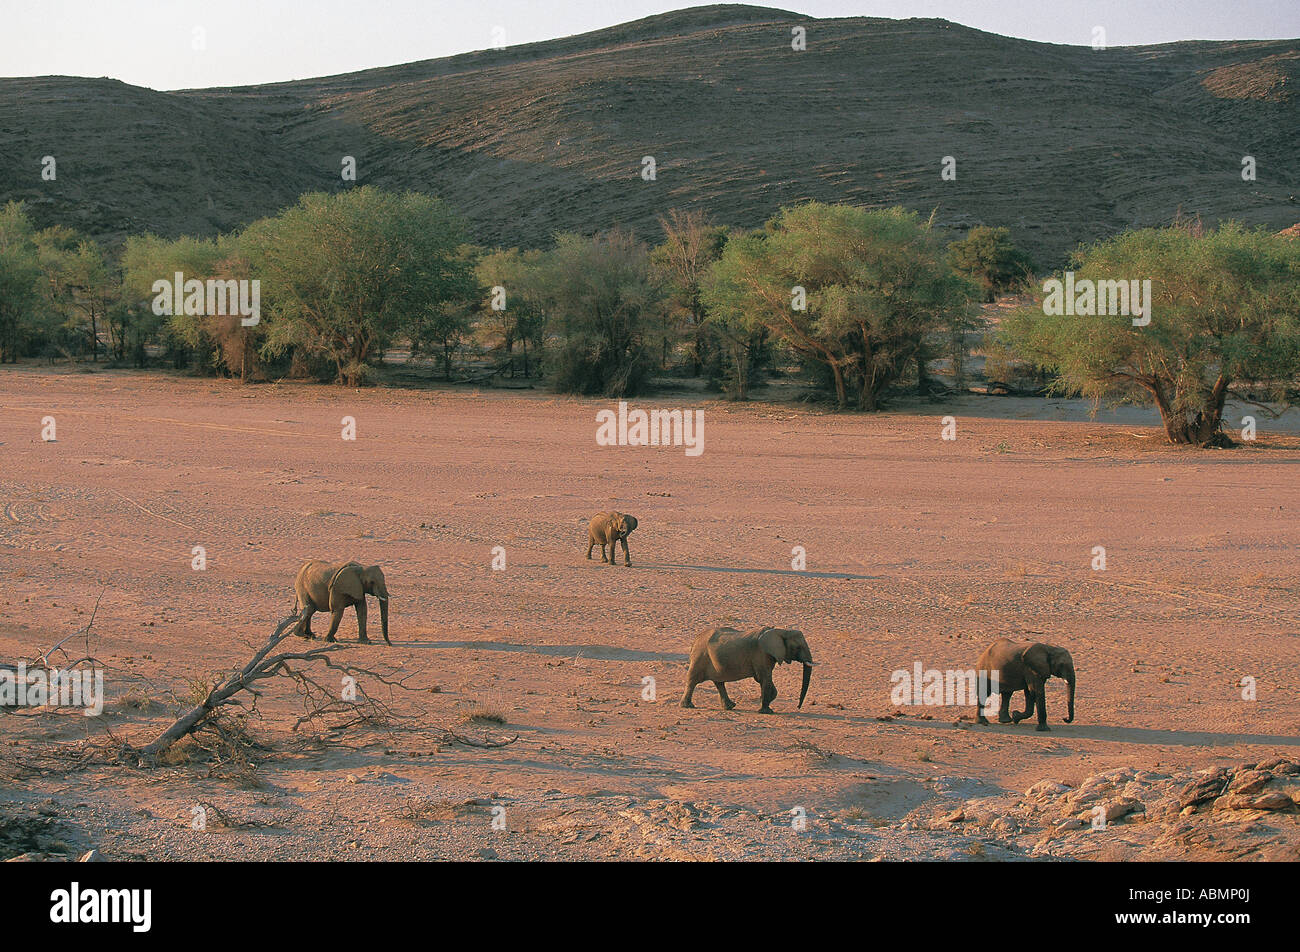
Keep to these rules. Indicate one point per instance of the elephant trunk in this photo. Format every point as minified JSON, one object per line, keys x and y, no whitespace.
{"x":807,"y":678}
{"x":383,"y":615}
{"x":1070,"y":698}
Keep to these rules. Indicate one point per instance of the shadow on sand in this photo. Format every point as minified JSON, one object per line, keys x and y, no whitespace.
{"x":740,"y":571}
{"x":1120,"y":735}
{"x":595,"y":652}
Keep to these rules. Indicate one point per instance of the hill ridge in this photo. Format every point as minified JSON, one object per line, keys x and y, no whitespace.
{"x":1062,"y":144}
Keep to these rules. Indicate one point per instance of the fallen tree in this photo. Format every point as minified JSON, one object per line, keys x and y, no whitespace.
{"x":319,"y":700}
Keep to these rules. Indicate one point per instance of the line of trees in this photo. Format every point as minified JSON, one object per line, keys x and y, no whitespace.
{"x":861,"y":299}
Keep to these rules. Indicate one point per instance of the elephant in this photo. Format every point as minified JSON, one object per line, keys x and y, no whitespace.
{"x":333,"y":586}
{"x":725,"y":654}
{"x":611,"y":528}
{"x":1023,"y":666}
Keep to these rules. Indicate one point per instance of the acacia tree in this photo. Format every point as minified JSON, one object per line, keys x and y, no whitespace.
{"x":599,"y":295}
{"x":20,"y":273}
{"x":857,"y":291}
{"x":220,"y":340}
{"x":1225,"y":310}
{"x":682,"y":261}
{"x":988,"y":257}
{"x":441,"y":329}
{"x":343,"y":274}
{"x":83,"y":287}
{"x":523,"y":318}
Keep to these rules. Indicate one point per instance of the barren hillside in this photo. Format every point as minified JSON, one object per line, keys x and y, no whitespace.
{"x":1061,"y":143}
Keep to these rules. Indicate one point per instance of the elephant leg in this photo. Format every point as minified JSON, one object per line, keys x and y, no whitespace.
{"x":727,"y":702}
{"x":591,"y":544}
{"x":768,"y":696}
{"x":1018,"y":716}
{"x":602,"y":553}
{"x":691,"y":681}
{"x":334,"y":624}
{"x":361,"y":622}
{"x":1040,"y":697}
{"x":627,"y":558}
{"x":1004,"y":712}
{"x":304,"y":626}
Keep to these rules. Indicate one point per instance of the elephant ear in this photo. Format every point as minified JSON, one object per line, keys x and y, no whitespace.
{"x":629,"y":523}
{"x":1036,"y":659}
{"x":772,"y":641}
{"x":346,"y":584}
{"x":1061,"y":662}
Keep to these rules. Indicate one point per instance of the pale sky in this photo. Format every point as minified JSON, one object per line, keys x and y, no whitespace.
{"x":152,"y":42}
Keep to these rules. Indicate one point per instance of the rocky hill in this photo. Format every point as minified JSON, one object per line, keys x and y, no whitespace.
{"x":1061,"y":143}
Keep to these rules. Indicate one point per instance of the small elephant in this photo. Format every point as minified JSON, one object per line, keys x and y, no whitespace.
{"x":725,"y":654}
{"x":611,"y":528}
{"x":333,"y":586}
{"x":1020,"y":666}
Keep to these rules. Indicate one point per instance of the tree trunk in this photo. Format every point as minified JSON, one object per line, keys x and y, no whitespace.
{"x":1202,"y":429}
{"x":841,"y":397}
{"x":922,"y":380}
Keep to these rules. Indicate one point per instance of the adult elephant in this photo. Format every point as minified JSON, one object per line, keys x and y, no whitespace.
{"x":333,"y":586}
{"x":726,"y":654}
{"x":1021,"y":666}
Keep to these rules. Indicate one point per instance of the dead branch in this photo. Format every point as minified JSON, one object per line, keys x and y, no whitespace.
{"x":43,"y":659}
{"x":263,"y":664}
{"x":320,"y":701}
{"x":454,"y":737}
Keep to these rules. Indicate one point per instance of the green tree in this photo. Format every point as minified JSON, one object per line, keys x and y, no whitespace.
{"x":857,"y":291}
{"x":988,"y":257}
{"x":218,"y":342}
{"x":443,"y":328}
{"x":681,"y":262}
{"x":523,"y":319}
{"x":1224,"y":310}
{"x":83,"y":286}
{"x":20,"y":276}
{"x":343,"y":274}
{"x":599,"y":295}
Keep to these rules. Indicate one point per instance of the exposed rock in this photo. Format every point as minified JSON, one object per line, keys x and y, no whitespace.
{"x":1249,"y":781}
{"x":1046,"y":788}
{"x":1226,"y":813}
{"x":1280,"y":765}
{"x":1121,"y":807}
{"x":1253,"y":801}
{"x":1288,"y":786}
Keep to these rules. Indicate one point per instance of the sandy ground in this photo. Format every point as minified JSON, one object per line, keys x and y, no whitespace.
{"x":918,"y":550}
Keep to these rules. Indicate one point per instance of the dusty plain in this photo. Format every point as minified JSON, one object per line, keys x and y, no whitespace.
{"x":918,"y":550}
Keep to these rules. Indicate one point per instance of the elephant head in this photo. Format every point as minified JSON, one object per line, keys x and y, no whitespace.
{"x":357,"y":581}
{"x":1049,"y":661}
{"x":624,"y":524}
{"x":786,"y":646}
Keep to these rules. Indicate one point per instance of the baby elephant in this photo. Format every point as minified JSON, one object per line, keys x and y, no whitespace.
{"x":1020,"y":666}
{"x":611,"y":528}
{"x":725,"y":654}
{"x":332,"y":587}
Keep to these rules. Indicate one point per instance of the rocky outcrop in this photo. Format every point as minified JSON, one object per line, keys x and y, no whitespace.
{"x":1251,"y":810}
